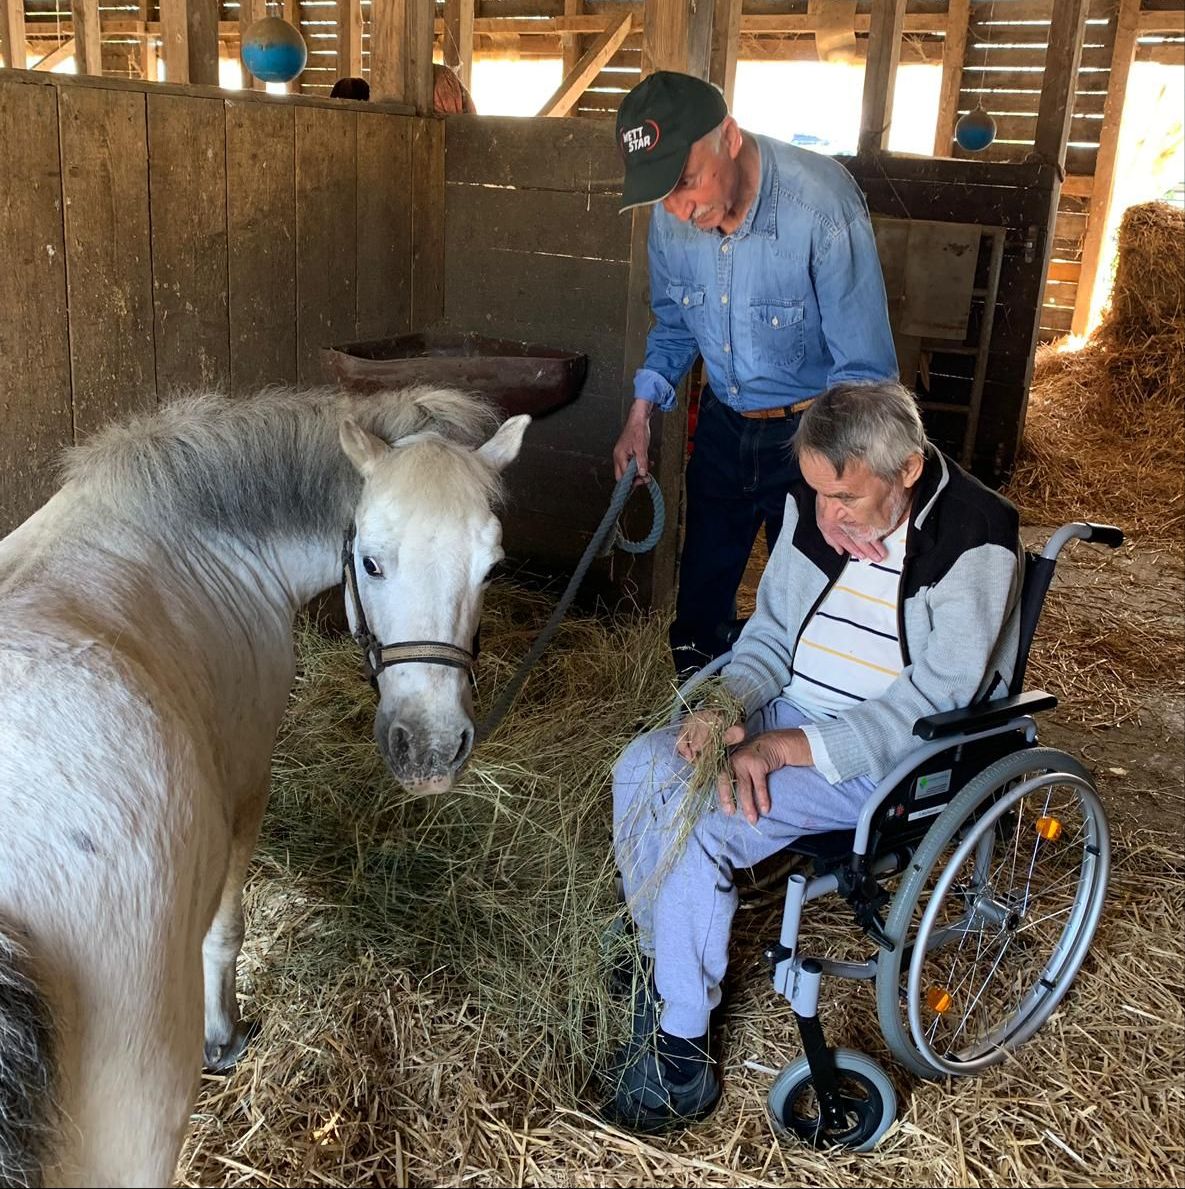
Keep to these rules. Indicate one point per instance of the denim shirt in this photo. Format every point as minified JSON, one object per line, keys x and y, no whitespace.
{"x":790,"y":303}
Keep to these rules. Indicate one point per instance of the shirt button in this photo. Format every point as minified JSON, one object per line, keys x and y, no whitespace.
{"x":773,"y":321}
{"x":687,"y":301}
{"x":733,"y":390}
{"x":727,"y":348}
{"x":724,"y":299}
{"x":724,"y":247}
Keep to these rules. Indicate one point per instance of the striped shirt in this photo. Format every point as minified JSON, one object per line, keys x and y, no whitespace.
{"x":849,"y":650}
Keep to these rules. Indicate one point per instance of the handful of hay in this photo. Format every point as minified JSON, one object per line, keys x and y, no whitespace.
{"x":1105,"y":435}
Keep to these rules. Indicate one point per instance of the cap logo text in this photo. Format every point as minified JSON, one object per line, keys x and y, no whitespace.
{"x":643,"y":138}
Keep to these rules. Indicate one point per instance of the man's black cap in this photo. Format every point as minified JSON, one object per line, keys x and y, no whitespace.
{"x":657,"y":123}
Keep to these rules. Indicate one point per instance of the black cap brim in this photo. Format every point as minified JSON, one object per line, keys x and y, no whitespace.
{"x":650,"y":180}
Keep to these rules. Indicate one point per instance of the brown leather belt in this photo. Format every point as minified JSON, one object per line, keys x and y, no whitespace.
{"x":777,"y":414}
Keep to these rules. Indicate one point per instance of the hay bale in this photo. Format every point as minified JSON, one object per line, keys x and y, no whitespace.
{"x":1105,"y":436}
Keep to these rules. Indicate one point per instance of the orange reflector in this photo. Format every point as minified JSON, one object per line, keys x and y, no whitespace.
{"x":1049,"y":828}
{"x":938,"y":1000}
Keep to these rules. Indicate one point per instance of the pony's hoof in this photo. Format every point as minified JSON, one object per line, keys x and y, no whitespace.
{"x":222,"y":1058}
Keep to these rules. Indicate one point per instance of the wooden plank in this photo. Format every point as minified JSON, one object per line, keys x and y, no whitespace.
{"x":533,"y":154}
{"x":1023,"y":127}
{"x":880,"y":74}
{"x":88,"y":56}
{"x":384,"y":236}
{"x":664,"y":35}
{"x":571,"y":44}
{"x":726,"y":42}
{"x":251,"y":11}
{"x":1126,"y":32}
{"x":202,"y":19}
{"x":1092,"y":58}
{"x":598,"y":54}
{"x":1166,"y":54}
{"x":954,"y":48}
{"x":417,"y":41}
{"x":569,"y":484}
{"x":427,"y":226}
{"x":326,"y":235}
{"x":56,"y":57}
{"x":1065,"y":270}
{"x":1025,"y":102}
{"x":388,"y":70}
{"x":13,"y":42}
{"x":458,"y":38}
{"x":174,"y":40}
{"x":1166,"y":21}
{"x":1078,"y":186}
{"x":546,"y":221}
{"x":35,"y":378}
{"x":108,"y":254}
{"x":261,"y":240}
{"x":349,"y":38}
{"x":187,"y":188}
{"x":1058,"y":80}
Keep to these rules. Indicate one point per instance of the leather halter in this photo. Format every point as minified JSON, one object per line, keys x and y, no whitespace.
{"x":379,"y":656}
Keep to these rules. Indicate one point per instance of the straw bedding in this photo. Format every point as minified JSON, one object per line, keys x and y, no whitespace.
{"x":429,"y":972}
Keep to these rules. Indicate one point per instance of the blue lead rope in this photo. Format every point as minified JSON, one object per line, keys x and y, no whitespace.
{"x":607,"y":537}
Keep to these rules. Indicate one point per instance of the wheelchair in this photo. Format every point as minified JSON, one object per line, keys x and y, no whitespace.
{"x":1001,"y":852}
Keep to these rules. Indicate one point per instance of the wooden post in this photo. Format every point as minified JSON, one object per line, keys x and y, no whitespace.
{"x":664,"y":35}
{"x":880,"y":73}
{"x":202,"y":19}
{"x":401,"y":34}
{"x":458,"y":38}
{"x":13,"y":41}
{"x":88,"y":47}
{"x":250,"y":11}
{"x":954,"y":52}
{"x":174,"y":40}
{"x":589,"y":66}
{"x":1127,"y":28}
{"x":292,"y":16}
{"x":1059,"y":81}
{"x":726,"y":41}
{"x":572,"y":43}
{"x":349,"y":39}
{"x":148,"y":59}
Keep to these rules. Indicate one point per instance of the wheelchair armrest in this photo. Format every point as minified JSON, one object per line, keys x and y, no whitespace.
{"x":987,"y":714}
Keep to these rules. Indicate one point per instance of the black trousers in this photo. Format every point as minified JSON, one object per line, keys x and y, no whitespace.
{"x":738,"y":478}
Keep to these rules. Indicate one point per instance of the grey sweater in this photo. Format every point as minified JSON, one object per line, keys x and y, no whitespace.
{"x":958,"y":618}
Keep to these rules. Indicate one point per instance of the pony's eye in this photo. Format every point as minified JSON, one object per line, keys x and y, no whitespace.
{"x":372,"y":567}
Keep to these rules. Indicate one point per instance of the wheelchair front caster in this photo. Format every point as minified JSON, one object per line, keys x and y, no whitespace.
{"x":869,"y":1100}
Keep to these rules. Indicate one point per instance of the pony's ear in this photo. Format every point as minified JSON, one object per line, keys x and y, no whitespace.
{"x":502,"y":449}
{"x":362,"y":449}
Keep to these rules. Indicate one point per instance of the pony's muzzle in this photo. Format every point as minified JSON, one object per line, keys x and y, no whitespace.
{"x":419,"y":755}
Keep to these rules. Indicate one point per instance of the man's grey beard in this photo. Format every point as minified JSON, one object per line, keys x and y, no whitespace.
{"x":879,"y":532}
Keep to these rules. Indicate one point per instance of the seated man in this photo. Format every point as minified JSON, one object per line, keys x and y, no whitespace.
{"x":840,"y":658}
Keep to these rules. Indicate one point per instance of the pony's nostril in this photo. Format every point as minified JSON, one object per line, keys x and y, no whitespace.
{"x":464,"y":746}
{"x":400,"y":741}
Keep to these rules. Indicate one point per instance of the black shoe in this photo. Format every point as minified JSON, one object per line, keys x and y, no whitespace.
{"x":647,"y":1099}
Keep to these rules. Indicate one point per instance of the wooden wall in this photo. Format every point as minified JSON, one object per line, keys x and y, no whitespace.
{"x":535,"y":250}
{"x":154,"y":239}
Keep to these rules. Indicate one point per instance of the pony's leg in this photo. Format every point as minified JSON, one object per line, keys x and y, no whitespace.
{"x":226,"y":1034}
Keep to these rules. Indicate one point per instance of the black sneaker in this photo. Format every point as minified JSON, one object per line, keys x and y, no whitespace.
{"x":648,"y":1100}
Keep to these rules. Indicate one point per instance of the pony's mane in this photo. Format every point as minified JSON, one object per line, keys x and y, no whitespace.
{"x":261,"y":465}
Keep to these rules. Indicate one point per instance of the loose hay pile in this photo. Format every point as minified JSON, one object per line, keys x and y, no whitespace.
{"x":428,"y":976}
{"x":1105,"y":430}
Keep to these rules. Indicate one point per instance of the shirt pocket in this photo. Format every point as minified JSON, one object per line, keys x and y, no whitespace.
{"x":690,"y":300}
{"x":778,"y":333}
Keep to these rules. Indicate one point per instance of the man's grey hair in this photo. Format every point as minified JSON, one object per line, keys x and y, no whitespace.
{"x":877,"y":424}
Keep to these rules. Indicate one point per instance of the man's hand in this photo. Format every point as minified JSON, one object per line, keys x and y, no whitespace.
{"x":842,"y":543}
{"x":634,"y":441}
{"x":698,"y":728}
{"x":746,"y":776}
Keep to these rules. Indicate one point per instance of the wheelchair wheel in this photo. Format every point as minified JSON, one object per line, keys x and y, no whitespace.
{"x":994,"y":915}
{"x":869,"y":1100}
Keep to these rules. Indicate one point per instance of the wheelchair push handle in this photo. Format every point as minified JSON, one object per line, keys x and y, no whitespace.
{"x":1099,"y":534}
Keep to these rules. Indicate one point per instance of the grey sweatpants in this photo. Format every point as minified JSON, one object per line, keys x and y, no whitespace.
{"x":677,"y":864}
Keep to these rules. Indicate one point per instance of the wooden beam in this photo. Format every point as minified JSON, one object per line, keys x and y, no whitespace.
{"x":1126,"y":31}
{"x":1059,"y":81}
{"x":726,"y":44}
{"x":664,"y":35}
{"x":880,"y":73}
{"x":418,"y":28}
{"x":458,"y":38}
{"x":572,"y":44}
{"x":589,"y":66}
{"x":954,"y":48}
{"x":401,"y":52}
{"x":292,"y":16}
{"x":55,"y":57}
{"x":174,"y":40}
{"x":1162,"y":22}
{"x":202,"y":18}
{"x":349,"y":39}
{"x":699,"y":37}
{"x":1080,"y":185}
{"x":250,"y":11}
{"x":13,"y":42}
{"x":88,"y":53}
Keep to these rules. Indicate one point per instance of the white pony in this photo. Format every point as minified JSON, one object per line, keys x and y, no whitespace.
{"x":145,"y":661}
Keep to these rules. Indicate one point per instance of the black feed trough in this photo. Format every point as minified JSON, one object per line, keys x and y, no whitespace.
{"x":519,"y":377}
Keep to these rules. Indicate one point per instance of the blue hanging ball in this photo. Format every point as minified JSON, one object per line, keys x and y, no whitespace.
{"x":976,"y":130}
{"x":273,"y":50}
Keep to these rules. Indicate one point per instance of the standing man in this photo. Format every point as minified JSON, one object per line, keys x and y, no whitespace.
{"x":763,"y":261}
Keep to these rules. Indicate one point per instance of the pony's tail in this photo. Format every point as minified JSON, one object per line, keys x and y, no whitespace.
{"x":26,"y":1070}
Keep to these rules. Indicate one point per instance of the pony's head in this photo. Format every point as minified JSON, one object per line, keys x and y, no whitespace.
{"x":426,"y":538}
